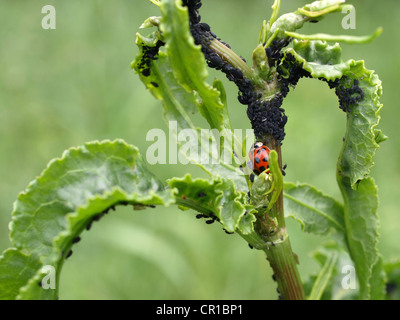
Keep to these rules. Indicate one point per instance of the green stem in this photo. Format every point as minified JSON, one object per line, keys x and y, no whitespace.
{"x":231,"y":57}
{"x":279,"y":254}
{"x":283,"y":263}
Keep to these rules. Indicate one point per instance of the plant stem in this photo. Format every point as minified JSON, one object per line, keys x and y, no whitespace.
{"x":283,"y":263}
{"x":280,"y":255}
{"x":231,"y":57}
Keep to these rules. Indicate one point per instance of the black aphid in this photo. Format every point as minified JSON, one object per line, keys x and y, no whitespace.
{"x":69,"y":254}
{"x":76,"y":240}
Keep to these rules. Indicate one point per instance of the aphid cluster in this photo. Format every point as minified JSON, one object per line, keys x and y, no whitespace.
{"x":266,"y":117}
{"x":349,"y":96}
{"x":203,"y":36}
{"x":349,"y":93}
{"x":149,"y":54}
{"x":290,"y":72}
{"x":273,"y":51}
{"x":211,"y":217}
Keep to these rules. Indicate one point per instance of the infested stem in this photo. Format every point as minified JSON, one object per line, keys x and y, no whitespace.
{"x":231,"y":57}
{"x":260,"y":90}
{"x":280,"y":255}
{"x":283,"y":263}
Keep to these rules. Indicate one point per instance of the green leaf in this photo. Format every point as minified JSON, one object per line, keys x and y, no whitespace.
{"x":342,"y":38}
{"x":362,"y":224}
{"x":189,"y":64}
{"x":378,"y":280}
{"x":178,"y":106}
{"x":16,"y":268}
{"x":356,"y":157}
{"x":324,"y":277}
{"x":290,"y":22}
{"x":360,"y":143}
{"x":334,"y":276}
{"x":392,"y":269}
{"x":66,"y":198}
{"x":218,"y":199}
{"x":317,"y":213}
{"x":318,"y":8}
{"x":277,"y":177}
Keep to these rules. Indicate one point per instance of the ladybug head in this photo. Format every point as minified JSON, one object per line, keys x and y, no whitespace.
{"x":258,"y":144}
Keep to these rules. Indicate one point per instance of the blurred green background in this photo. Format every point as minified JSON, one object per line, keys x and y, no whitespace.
{"x":60,"y":88}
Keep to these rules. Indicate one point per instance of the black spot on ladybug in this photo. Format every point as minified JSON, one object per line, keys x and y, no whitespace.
{"x":262,"y":169}
{"x":257,"y":160}
{"x":265,"y":159}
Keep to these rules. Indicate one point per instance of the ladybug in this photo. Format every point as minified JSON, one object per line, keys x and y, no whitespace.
{"x":259,"y":157}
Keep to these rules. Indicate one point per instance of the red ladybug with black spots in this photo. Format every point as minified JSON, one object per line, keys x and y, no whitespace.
{"x":259,"y":157}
